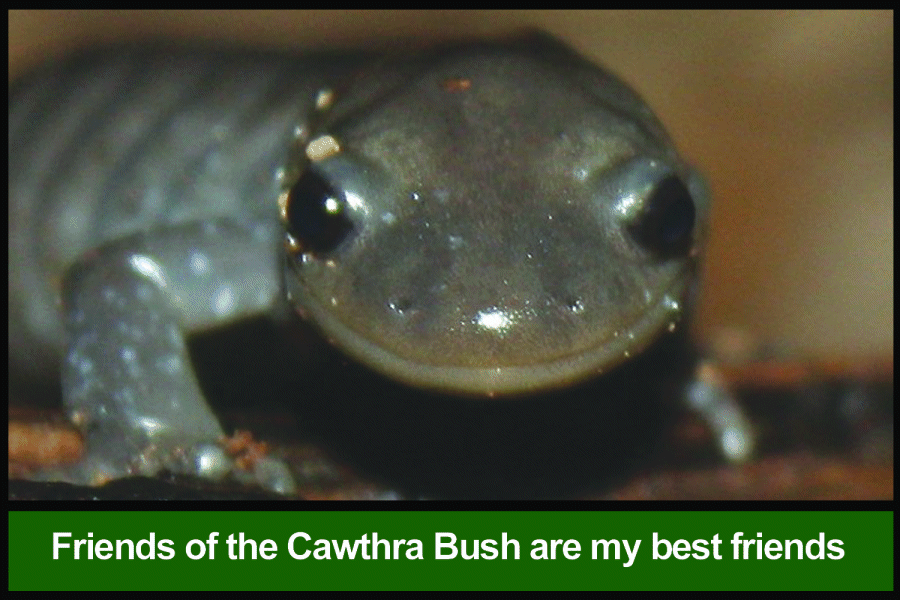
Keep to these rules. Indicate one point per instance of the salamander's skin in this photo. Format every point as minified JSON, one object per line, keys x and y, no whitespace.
{"x":492,"y":220}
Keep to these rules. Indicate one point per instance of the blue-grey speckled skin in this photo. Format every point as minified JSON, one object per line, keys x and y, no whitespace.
{"x":142,"y":196}
{"x":489,"y":186}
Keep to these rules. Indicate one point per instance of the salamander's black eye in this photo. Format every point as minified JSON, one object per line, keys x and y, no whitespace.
{"x":665,"y":224}
{"x":316,"y":214}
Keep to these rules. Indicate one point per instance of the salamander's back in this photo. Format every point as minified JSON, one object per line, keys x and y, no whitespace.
{"x":112,"y":142}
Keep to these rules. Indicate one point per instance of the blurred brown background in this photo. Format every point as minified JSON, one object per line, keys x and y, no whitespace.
{"x":789,"y":113}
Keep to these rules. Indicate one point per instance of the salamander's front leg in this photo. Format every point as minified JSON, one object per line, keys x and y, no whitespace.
{"x":128,"y":381}
{"x":711,"y":398}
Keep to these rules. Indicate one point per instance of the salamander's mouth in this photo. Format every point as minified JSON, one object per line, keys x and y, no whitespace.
{"x":608,"y":349}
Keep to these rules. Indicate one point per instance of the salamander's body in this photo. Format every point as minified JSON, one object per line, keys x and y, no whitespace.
{"x":488,"y":220}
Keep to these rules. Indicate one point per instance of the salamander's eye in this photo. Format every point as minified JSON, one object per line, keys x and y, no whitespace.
{"x":665,"y":224}
{"x":316,"y":214}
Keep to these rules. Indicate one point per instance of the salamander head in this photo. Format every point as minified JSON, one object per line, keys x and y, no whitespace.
{"x":492,"y":219}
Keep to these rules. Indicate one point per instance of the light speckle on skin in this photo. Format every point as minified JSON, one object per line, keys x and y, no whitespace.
{"x":627,"y":205}
{"x":151,"y":425}
{"x":355,"y":202}
{"x":736,"y":444}
{"x":211,"y":461}
{"x":128,"y":354}
{"x":174,"y":336}
{"x":324,"y":99}
{"x":199,"y":263}
{"x":672,"y":304}
{"x":149,"y":268}
{"x":223,"y":301}
{"x":132,"y":366}
{"x":170,"y":364}
{"x":84,"y":366}
{"x":494,"y":319}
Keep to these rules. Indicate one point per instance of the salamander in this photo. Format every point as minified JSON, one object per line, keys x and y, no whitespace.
{"x":492,"y":220}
